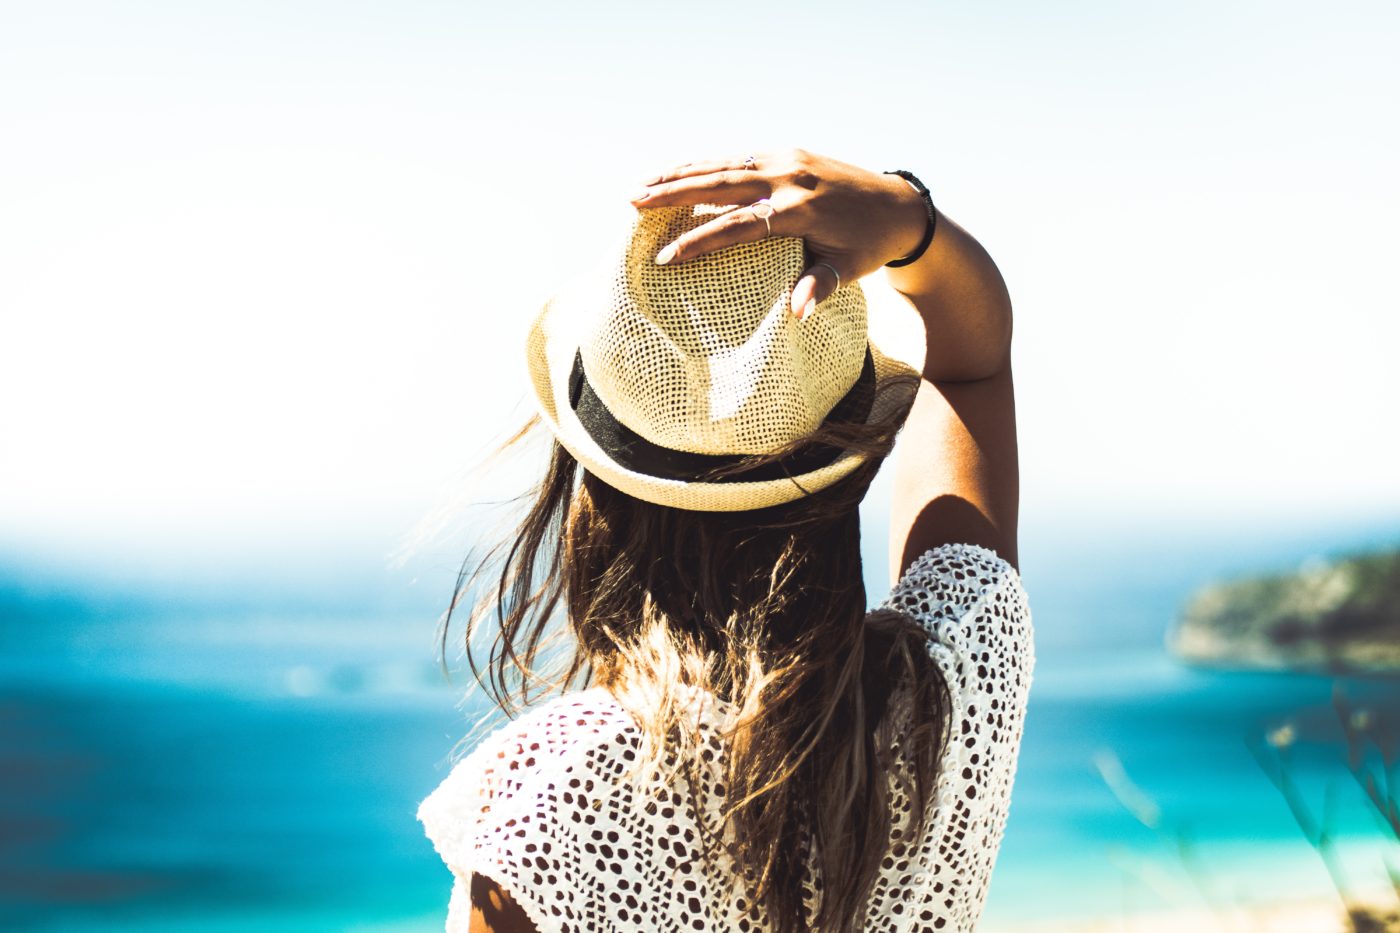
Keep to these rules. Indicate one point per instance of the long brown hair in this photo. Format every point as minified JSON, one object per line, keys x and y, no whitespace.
{"x":765,"y":609}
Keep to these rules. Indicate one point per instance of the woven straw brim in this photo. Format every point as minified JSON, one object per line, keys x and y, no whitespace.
{"x":897,"y":344}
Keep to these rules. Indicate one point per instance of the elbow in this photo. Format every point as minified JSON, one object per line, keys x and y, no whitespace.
{"x":985,"y":354}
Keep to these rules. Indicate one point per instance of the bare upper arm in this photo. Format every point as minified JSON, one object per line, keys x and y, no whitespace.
{"x":493,"y":911}
{"x":956,"y":476}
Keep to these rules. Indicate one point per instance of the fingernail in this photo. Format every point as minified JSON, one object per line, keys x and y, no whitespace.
{"x":652,"y":180}
{"x":641,"y":195}
{"x":666,"y":255}
{"x":809,"y":308}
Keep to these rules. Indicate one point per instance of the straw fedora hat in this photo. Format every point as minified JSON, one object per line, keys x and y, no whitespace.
{"x":652,"y":375}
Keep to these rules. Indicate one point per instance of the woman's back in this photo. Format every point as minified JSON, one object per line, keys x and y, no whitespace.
{"x":718,"y":415}
{"x":543,"y":805}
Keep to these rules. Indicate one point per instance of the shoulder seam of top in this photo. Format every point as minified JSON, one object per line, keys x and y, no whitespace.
{"x":990,"y":554}
{"x":925,"y":561}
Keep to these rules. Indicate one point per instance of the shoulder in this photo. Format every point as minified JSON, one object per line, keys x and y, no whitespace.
{"x":543,"y":740}
{"x":513,"y":808}
{"x":555,"y":732}
{"x":973,"y":605}
{"x":955,"y":580}
{"x":513,"y":774}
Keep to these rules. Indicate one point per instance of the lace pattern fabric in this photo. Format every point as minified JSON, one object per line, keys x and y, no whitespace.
{"x":541,"y":805}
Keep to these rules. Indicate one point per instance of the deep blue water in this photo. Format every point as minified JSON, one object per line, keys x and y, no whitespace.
{"x":166,"y":803}
{"x":166,"y":763}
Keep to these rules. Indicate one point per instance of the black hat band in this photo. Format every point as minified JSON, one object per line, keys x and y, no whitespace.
{"x":629,"y":449}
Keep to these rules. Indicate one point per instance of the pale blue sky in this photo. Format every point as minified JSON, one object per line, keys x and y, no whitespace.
{"x":266,"y":266}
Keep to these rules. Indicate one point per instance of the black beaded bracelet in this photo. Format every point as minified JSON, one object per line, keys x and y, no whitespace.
{"x":932,"y":217}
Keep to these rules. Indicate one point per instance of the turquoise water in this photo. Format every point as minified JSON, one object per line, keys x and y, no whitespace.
{"x":194,"y":761}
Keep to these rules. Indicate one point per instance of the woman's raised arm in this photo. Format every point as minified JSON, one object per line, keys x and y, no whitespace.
{"x":956,"y":469}
{"x":956,"y":472}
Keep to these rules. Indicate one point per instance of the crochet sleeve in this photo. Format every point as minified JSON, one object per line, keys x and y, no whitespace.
{"x":975,"y":610}
{"x":972,"y":603}
{"x":510,"y":810}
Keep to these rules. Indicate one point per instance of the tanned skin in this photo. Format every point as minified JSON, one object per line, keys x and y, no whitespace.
{"x":494,"y":912}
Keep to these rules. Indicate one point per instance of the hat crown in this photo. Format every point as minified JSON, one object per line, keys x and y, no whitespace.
{"x":706,"y":356}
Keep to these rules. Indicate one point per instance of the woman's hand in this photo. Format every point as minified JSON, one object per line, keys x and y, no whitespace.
{"x":855,"y":219}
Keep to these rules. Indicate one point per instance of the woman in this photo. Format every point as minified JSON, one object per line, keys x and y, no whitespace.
{"x":751,"y":748}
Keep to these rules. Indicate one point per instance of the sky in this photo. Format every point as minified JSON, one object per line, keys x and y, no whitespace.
{"x":265,"y":267}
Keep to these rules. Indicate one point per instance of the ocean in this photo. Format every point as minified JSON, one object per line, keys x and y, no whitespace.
{"x":204,"y":761}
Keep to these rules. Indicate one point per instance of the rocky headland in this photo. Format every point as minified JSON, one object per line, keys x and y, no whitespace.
{"x":1340,"y":616}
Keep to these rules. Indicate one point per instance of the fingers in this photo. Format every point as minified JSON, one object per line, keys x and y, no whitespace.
{"x":691,"y":169}
{"x":722,"y":186}
{"x":744,"y":225}
{"x":743,"y":181}
{"x":813,"y":287}
{"x":714,"y":181}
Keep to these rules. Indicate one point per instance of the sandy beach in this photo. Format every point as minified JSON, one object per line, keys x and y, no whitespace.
{"x":1304,"y":915}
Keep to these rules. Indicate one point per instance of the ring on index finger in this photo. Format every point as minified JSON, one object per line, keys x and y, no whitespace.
{"x":764,"y":209}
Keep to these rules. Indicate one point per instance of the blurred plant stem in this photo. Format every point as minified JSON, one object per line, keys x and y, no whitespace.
{"x":1363,"y":729}
{"x":1279,"y":771}
{"x":1359,"y":726}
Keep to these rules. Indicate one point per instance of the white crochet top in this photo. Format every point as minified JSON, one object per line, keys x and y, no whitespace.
{"x":540,"y":807}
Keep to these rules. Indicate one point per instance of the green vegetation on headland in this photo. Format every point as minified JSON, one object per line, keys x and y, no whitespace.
{"x":1328,"y":617}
